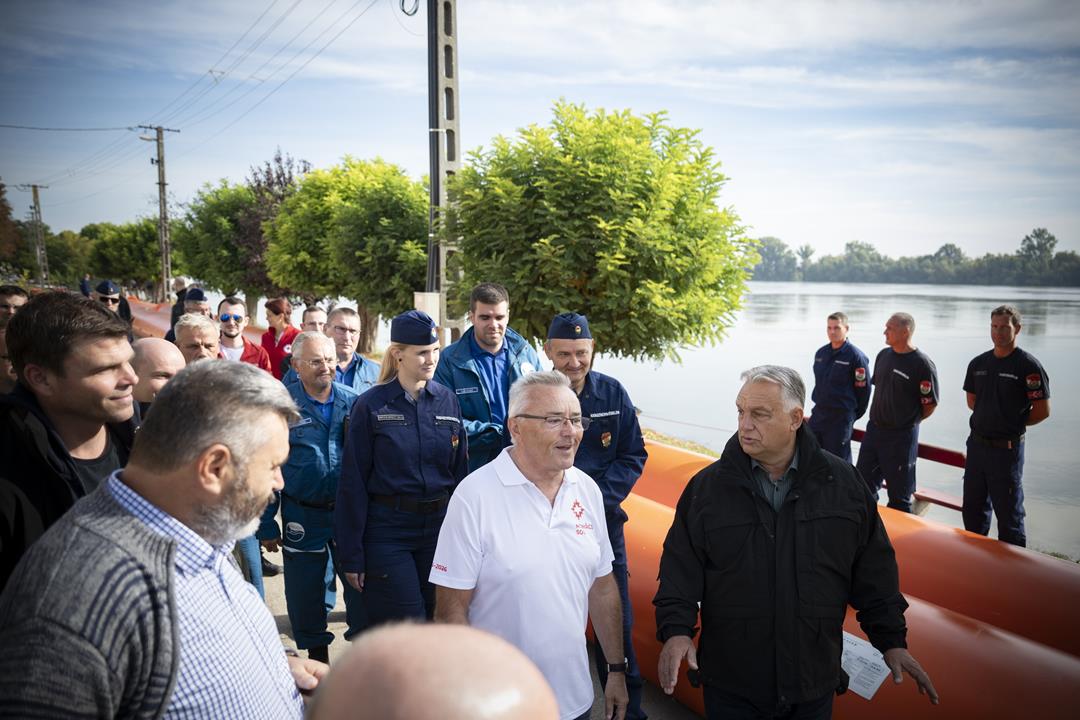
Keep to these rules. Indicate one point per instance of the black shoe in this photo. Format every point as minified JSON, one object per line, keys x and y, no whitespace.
{"x":270,"y":569}
{"x":321,"y":653}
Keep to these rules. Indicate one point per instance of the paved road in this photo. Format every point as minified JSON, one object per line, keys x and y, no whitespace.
{"x":657,"y":705}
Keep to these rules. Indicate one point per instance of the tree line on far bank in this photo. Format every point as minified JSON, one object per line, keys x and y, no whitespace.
{"x":609,"y":213}
{"x":1034,"y":263}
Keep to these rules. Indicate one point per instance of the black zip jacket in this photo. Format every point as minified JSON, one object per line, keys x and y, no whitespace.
{"x":774,"y":587}
{"x":38,"y":480}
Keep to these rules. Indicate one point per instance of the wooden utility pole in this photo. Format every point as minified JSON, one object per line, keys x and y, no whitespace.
{"x":443,"y":136}
{"x":164,"y":243}
{"x":39,"y":233}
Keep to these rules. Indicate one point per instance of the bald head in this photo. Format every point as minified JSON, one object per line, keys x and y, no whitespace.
{"x":155,"y":362}
{"x":404,"y":672}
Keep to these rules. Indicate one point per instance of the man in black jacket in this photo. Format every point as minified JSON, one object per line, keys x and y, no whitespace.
{"x":775,"y":540}
{"x":71,"y":419}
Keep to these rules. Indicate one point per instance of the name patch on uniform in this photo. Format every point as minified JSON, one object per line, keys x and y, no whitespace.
{"x":389,"y":418}
{"x":466,"y":391}
{"x":842,"y":362}
{"x":1012,"y":377}
{"x":606,"y":413}
{"x":301,"y":423}
{"x":449,"y":418}
{"x":903,"y":375}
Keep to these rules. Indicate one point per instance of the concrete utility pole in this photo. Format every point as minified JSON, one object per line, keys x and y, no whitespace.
{"x":443,"y":138}
{"x":39,"y":233}
{"x":164,"y":244}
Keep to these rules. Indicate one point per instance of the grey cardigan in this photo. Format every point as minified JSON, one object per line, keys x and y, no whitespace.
{"x":87,"y":619}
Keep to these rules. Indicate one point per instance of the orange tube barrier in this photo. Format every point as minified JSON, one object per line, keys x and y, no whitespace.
{"x":1018,"y":590}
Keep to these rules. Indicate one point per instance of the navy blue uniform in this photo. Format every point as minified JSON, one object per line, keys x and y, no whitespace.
{"x":612,"y":452}
{"x":1004,"y":389}
{"x":841,"y":394}
{"x":402,"y":460}
{"x":311,"y":475}
{"x":903,"y":384}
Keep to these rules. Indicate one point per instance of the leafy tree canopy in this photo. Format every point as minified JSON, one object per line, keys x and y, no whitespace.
{"x":777,"y":261}
{"x":128,"y":251}
{"x":606,"y":213}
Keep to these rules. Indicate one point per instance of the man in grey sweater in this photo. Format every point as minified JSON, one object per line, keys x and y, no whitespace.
{"x":130,"y":606}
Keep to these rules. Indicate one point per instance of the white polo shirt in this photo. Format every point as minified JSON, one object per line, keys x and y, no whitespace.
{"x":531,"y":565}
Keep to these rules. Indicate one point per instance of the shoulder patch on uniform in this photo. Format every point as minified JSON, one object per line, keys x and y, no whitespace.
{"x":1034,"y":381}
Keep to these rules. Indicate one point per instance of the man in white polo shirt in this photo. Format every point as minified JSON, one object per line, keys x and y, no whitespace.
{"x":524,"y":550}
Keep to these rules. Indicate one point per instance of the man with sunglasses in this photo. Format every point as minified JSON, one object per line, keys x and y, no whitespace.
{"x":612,"y":453}
{"x":108,"y":294}
{"x":233,"y":319}
{"x":524,"y":550}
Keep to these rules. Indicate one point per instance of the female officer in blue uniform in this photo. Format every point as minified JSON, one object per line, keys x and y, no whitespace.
{"x":405,"y":452}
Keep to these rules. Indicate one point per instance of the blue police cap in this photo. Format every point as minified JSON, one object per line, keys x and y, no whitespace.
{"x":569,"y":326}
{"x":195,"y":294}
{"x":108,"y":287}
{"x":413,"y":328}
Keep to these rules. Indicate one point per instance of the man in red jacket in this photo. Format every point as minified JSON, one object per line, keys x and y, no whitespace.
{"x":232,"y":314}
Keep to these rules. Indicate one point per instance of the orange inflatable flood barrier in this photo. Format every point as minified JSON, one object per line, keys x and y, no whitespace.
{"x":995,"y":626}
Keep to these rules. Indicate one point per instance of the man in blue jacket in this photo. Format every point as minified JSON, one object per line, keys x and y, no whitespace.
{"x":316,"y":443}
{"x":841,"y":389}
{"x":481,"y":367}
{"x":612,"y":452}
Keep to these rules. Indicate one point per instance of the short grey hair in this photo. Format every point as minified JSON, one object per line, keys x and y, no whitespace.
{"x":904,"y":320}
{"x":193,"y":321}
{"x":547,"y":378}
{"x":208,"y":402}
{"x":307,"y":336}
{"x":792,"y":389}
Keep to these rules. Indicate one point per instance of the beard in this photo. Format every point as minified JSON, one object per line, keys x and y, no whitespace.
{"x":234,"y":516}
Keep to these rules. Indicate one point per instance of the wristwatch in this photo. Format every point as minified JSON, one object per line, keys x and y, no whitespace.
{"x":618,"y":667}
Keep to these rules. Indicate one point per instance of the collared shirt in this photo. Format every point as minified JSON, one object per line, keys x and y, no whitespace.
{"x":326,"y":409}
{"x":775,"y":492}
{"x":232,"y":663}
{"x":531,"y":563}
{"x":495,"y":377}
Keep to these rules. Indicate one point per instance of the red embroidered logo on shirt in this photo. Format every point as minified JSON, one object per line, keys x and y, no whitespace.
{"x":925,"y":387}
{"x":860,"y":374}
{"x":1034,"y":381}
{"x":577,"y":509}
{"x":605,"y":440}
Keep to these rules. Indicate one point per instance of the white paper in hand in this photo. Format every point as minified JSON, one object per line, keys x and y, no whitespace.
{"x":864,"y":665}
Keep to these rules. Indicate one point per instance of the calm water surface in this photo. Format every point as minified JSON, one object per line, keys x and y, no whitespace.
{"x":784,"y":323}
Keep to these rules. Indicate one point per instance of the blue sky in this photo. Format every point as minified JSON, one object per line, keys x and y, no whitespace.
{"x":904,"y":124}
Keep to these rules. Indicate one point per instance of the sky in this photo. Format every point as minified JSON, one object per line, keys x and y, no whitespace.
{"x":905,"y":124}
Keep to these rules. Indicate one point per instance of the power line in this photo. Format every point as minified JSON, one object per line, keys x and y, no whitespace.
{"x":62,"y":129}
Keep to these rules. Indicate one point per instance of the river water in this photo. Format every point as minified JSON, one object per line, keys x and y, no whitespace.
{"x":784,"y":323}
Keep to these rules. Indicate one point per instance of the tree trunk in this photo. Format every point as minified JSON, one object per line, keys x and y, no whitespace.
{"x":369,"y":324}
{"x":251,"y":304}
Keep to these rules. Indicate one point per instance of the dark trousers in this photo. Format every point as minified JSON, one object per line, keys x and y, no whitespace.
{"x":633,"y":673}
{"x":722,"y":706}
{"x":889,"y":454}
{"x":832,"y":428}
{"x":399,"y":547}
{"x":992,"y":479}
{"x":310,"y":594}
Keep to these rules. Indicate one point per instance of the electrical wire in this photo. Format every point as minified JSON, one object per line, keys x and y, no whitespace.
{"x":64,"y":129}
{"x":416,"y":6}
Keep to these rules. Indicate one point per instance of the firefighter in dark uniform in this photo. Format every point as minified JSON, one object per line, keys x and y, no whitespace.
{"x":612,"y":452}
{"x":1007,"y":391}
{"x":405,"y":453}
{"x":905,"y":394}
{"x":841,"y":389}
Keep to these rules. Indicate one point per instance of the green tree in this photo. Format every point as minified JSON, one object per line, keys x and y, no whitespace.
{"x":606,"y":213}
{"x":336,"y":217}
{"x":805,"y":253}
{"x":11,"y":238}
{"x":777,"y":262}
{"x":128,"y":251}
{"x":206,"y":239}
{"x":1037,"y":251}
{"x":378,"y":240}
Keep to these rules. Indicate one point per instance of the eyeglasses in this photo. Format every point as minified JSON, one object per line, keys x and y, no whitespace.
{"x":226,"y":317}
{"x":321,"y":362}
{"x":345,"y":330}
{"x":555,"y":422}
{"x":110,"y":300}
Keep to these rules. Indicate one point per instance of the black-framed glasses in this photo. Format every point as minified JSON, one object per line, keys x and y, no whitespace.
{"x":226,"y":317}
{"x":555,"y":422}
{"x":110,"y":300}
